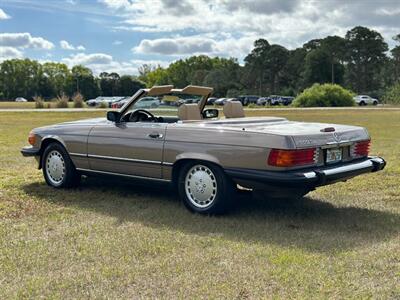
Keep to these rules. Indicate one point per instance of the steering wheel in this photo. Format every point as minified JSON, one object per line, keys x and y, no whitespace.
{"x":141,"y":115}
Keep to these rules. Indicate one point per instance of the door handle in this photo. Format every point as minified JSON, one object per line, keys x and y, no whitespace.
{"x":155,"y":135}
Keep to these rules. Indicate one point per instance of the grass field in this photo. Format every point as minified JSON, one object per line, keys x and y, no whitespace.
{"x":128,"y":240}
{"x":26,"y":105}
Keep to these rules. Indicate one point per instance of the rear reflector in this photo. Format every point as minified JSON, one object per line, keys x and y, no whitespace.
{"x":361,"y":149}
{"x":291,"y":158}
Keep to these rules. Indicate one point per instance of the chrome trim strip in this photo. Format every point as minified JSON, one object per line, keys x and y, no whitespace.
{"x":123,"y":175}
{"x":167,"y":163}
{"x":153,"y":162}
{"x":77,"y":154}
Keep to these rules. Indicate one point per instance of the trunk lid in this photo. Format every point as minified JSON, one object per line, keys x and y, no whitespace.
{"x":303,"y":134}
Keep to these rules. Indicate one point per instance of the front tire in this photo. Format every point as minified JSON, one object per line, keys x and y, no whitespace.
{"x":58,"y":168}
{"x":204,"y":188}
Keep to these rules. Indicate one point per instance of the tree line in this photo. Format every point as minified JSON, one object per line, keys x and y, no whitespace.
{"x":360,"y":61}
{"x":28,"y":78}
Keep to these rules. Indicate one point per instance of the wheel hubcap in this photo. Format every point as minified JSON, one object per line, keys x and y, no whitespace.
{"x":201,"y":186}
{"x":55,"y":167}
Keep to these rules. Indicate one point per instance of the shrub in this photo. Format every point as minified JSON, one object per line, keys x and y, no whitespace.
{"x":62,"y":101}
{"x":392,"y":94}
{"x":39,"y":102}
{"x":103,"y":104}
{"x":78,"y":100}
{"x":324,"y":95}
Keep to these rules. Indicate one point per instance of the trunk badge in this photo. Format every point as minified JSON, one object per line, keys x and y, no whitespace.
{"x":336,"y":137}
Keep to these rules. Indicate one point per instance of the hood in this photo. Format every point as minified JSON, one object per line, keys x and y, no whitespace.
{"x":93,"y":121}
{"x":72,"y":124}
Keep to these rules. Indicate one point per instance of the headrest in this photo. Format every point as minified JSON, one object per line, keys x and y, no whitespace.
{"x":233,"y":109}
{"x":189,"y":112}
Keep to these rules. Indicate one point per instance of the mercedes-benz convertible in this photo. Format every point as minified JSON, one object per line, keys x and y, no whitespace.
{"x":205,"y":156}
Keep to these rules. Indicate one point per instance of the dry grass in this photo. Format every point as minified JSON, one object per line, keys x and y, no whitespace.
{"x":111,"y":239}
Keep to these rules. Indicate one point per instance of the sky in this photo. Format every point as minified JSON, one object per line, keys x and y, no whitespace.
{"x":121,"y":35}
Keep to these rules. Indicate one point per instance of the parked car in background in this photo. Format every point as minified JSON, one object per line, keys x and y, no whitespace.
{"x":365,"y":100}
{"x":211,"y":100}
{"x":277,"y":99}
{"x":248,"y":99}
{"x":20,"y":99}
{"x":148,"y":102}
{"x":203,"y":156}
{"x":190,"y":100}
{"x":223,"y":101}
{"x":120,"y":103}
{"x":101,"y":99}
{"x":220,"y":101}
{"x":91,"y":102}
{"x":274,"y":100}
{"x":263,"y":101}
{"x":287,"y":100}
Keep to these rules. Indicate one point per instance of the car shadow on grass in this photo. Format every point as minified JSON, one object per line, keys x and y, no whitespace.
{"x":311,"y":224}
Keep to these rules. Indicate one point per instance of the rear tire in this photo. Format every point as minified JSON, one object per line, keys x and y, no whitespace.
{"x":58,"y":168}
{"x":204,"y":188}
{"x":375,"y":103}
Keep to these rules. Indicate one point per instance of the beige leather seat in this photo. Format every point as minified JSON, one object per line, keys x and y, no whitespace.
{"x":233,"y":109}
{"x":189,"y":112}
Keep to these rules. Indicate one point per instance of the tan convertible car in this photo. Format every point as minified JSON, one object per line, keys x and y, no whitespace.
{"x":207,"y":158}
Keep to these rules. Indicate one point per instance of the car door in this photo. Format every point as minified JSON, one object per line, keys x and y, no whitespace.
{"x":130,"y":148}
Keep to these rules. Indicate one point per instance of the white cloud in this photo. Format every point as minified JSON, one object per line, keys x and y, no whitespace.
{"x":177,"y":46}
{"x":117,"y":42}
{"x":210,"y":44}
{"x":24,"y":40}
{"x":88,"y":59}
{"x":287,"y":22}
{"x":9,"y":53}
{"x":67,"y":46}
{"x":3,"y":15}
{"x":101,"y":62}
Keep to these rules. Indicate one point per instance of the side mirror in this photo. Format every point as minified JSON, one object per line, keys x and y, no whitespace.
{"x":113,"y":116}
{"x":210,"y":113}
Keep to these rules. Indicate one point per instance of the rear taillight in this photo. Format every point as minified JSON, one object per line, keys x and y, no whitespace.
{"x":360,"y":149}
{"x":291,"y":158}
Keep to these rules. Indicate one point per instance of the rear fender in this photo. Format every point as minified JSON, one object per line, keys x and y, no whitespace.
{"x":198,"y":156}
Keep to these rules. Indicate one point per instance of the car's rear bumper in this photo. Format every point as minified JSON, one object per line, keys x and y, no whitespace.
{"x":306,"y":178}
{"x":30,"y":151}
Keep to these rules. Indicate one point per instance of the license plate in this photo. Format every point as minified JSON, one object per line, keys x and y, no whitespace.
{"x":333,"y":155}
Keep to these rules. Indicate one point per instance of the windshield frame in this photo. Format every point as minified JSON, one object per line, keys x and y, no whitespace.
{"x":204,"y":92}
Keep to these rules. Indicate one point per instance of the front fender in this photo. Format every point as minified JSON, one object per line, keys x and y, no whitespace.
{"x":46,"y":139}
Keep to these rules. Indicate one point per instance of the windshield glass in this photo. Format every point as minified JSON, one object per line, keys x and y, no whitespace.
{"x":164,"y":104}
